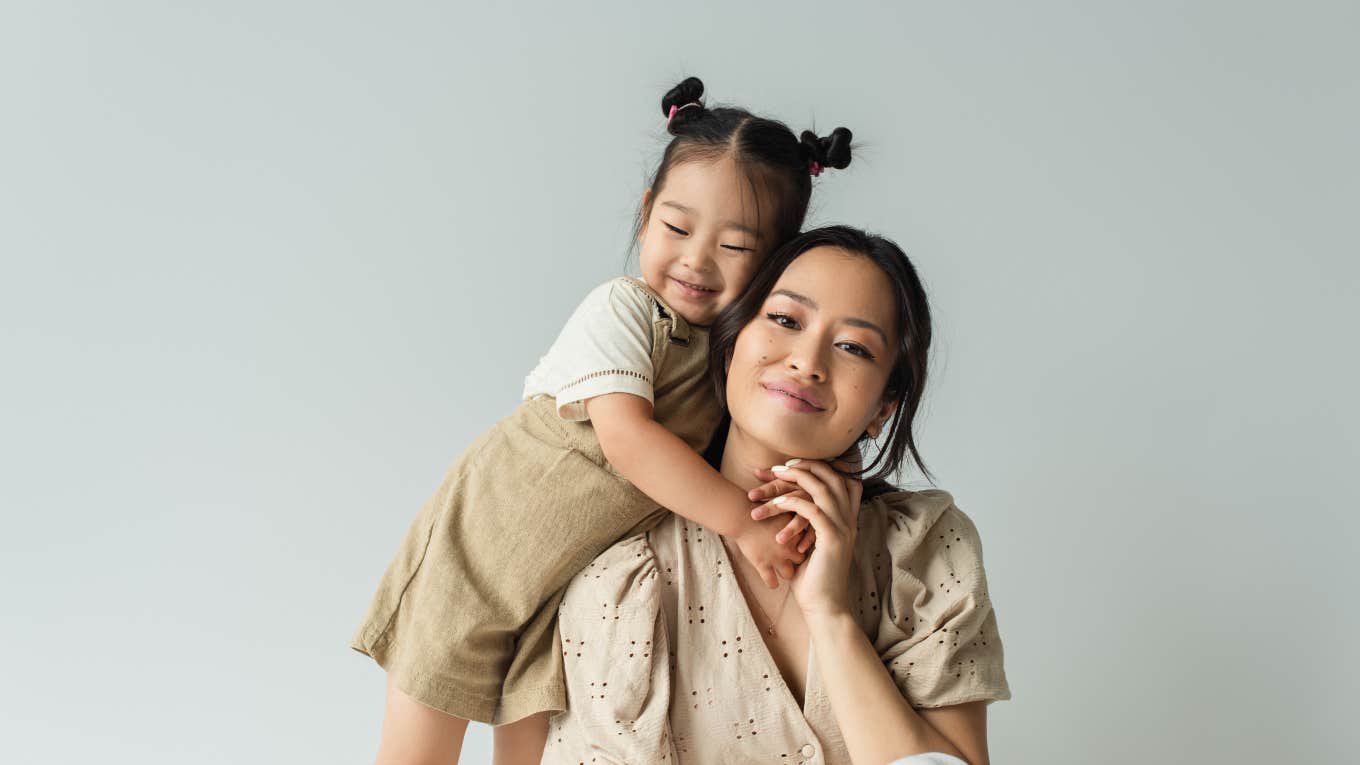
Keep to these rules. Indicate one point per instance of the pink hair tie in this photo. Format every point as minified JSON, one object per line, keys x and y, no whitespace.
{"x":671,"y":115}
{"x":816,"y":169}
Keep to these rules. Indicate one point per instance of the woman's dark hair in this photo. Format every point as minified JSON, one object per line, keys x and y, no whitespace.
{"x":906,"y":381}
{"x":766,"y":151}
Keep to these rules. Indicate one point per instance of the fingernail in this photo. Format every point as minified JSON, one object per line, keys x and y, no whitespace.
{"x":779,"y":469}
{"x":793,"y":461}
{"x":779,"y":500}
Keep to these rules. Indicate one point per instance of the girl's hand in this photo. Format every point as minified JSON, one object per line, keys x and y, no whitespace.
{"x":831,"y":506}
{"x":774,"y":487}
{"x":772,"y":560}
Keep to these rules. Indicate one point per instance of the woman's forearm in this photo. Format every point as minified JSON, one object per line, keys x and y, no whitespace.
{"x":877,"y":723}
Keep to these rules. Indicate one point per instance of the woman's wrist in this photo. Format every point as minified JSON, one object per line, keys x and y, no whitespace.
{"x":829,"y":623}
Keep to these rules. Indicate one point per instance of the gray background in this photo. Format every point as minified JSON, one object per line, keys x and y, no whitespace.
{"x":268,"y":266}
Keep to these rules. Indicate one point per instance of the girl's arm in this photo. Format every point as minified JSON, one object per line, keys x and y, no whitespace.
{"x":665,"y":468}
{"x":877,"y":722}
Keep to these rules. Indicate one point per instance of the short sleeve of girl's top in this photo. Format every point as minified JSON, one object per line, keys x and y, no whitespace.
{"x":927,"y":605}
{"x":605,"y":347}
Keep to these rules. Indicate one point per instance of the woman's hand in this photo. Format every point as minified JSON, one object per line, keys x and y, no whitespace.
{"x":829,"y":502}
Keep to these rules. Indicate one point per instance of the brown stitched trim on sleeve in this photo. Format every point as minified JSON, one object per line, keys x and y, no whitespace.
{"x":593,"y":375}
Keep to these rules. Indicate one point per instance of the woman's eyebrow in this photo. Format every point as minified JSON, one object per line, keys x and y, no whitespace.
{"x":743,"y":228}
{"x":852,"y":321}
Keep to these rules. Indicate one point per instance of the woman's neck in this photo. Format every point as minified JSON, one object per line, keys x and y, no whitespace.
{"x":743,"y":455}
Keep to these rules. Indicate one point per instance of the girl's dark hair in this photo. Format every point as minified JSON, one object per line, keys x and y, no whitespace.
{"x":771,"y":157}
{"x":906,"y":381}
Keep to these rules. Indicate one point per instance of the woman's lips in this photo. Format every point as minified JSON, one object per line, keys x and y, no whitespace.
{"x":693,"y":291}
{"x":789,"y":399}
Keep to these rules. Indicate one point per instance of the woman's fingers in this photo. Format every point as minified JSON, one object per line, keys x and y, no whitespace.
{"x":825,"y":526}
{"x":771,"y":507}
{"x":856,"y":491}
{"x":834,"y":480}
{"x":821,"y":494}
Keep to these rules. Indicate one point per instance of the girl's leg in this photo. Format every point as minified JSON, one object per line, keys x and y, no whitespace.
{"x":415,"y":733}
{"x":521,"y":742}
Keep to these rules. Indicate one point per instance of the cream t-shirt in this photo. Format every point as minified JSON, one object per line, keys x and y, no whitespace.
{"x":605,"y":347}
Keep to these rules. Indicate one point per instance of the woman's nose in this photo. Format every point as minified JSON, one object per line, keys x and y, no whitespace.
{"x":806,"y":359}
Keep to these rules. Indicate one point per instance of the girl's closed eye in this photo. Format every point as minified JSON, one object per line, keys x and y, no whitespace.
{"x":676,"y":229}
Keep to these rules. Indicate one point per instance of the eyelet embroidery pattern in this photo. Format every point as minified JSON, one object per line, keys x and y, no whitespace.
{"x":606,"y":373}
{"x":936,"y":655}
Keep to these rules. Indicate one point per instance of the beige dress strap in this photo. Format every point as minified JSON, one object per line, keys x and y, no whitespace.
{"x":680,"y":330}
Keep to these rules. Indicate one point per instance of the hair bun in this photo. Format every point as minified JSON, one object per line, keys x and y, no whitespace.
{"x":686,"y":93}
{"x":831,"y":151}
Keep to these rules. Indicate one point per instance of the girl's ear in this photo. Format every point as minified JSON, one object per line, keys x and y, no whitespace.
{"x":645,"y":211}
{"x":884,"y":412}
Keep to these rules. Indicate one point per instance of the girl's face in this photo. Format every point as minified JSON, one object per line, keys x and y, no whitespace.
{"x":700,"y":243}
{"x":808,"y":373}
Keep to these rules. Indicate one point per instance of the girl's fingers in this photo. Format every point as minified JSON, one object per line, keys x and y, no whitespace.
{"x":792,"y":530}
{"x":770,"y":490}
{"x":809,"y":539}
{"x":767,"y":574}
{"x":786,"y":570}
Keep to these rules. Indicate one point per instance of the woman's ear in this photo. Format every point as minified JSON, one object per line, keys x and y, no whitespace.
{"x":884,"y":412}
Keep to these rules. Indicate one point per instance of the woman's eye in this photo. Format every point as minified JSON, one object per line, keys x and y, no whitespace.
{"x":679,"y":231}
{"x":783,"y":320}
{"x":857,"y":349}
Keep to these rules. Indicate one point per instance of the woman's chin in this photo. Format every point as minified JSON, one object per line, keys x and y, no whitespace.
{"x":788,"y":439}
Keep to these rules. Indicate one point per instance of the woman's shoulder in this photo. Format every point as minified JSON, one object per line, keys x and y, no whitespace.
{"x":919,"y":523}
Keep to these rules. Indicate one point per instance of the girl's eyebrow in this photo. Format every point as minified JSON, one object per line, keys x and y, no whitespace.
{"x":691,"y":211}
{"x":852,"y":321}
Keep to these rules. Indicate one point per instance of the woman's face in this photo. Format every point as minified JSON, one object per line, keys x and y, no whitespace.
{"x":808,"y":373}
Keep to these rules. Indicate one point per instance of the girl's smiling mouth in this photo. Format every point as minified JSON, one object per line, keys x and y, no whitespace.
{"x":692,"y":290}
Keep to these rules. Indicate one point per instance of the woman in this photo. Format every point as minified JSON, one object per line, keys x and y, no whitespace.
{"x":676,"y":653}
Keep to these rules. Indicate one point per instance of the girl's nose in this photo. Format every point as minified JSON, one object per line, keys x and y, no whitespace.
{"x":696,"y":257}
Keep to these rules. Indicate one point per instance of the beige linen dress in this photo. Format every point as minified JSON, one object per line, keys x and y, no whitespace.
{"x":464,"y":619}
{"x":665,"y":664}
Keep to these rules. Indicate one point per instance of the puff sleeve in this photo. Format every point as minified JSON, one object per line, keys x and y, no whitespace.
{"x":935,"y":628}
{"x":605,"y":347}
{"x":617,"y":662}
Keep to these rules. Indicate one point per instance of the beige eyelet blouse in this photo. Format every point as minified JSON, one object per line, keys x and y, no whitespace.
{"x":664,"y":662}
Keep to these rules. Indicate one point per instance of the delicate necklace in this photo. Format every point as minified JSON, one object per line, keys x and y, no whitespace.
{"x":782,"y":604}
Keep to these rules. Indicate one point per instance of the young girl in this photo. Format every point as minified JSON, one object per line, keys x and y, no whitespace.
{"x":605,"y":442}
